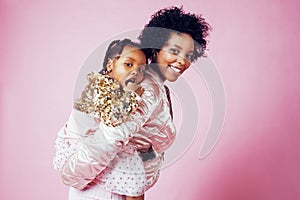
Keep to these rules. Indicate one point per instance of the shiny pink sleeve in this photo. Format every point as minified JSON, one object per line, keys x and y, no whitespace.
{"x":158,"y":129}
{"x":84,"y":148}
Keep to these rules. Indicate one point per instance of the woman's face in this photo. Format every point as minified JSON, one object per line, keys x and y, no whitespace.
{"x":175,"y":56}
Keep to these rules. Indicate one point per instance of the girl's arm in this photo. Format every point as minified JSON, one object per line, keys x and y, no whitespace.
{"x":87,"y":148}
{"x":94,"y":152}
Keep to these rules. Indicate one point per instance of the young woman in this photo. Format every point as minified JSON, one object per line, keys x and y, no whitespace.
{"x":173,"y":39}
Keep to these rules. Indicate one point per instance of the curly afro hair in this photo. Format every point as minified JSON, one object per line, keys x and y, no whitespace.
{"x":157,"y":32}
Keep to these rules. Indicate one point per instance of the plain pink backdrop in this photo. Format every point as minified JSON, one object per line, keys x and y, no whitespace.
{"x":254,"y":44}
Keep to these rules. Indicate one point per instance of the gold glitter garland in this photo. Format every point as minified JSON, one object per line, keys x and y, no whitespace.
{"x":104,"y":97}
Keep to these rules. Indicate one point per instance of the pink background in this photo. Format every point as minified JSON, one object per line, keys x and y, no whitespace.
{"x":254,"y":44}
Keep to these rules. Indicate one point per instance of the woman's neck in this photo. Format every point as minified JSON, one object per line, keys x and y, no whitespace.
{"x":155,"y":67}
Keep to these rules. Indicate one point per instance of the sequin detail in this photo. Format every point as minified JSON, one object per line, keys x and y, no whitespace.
{"x":105,"y":98}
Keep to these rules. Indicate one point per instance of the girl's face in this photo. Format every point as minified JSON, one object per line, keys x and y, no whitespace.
{"x":175,"y":56}
{"x":129,"y":67}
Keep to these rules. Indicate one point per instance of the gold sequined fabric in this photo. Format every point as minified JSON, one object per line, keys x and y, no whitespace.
{"x":105,"y":98}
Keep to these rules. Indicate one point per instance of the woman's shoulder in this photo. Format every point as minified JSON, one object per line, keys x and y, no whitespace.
{"x":152,"y":88}
{"x":152,"y":83}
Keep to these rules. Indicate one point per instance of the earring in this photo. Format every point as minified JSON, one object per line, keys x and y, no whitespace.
{"x":107,"y":71}
{"x":154,"y":55}
{"x":108,"y":65}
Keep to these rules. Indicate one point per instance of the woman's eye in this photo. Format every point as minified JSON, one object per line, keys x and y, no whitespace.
{"x":141,"y":70}
{"x":128,"y":64}
{"x":189,"y":57}
{"x":174,"y":51}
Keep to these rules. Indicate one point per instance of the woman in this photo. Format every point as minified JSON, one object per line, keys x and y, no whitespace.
{"x":173,"y":40}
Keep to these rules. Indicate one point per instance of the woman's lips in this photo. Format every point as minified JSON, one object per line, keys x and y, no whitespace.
{"x":176,"y":69}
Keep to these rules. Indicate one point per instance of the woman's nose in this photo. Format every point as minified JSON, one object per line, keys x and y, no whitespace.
{"x":181,"y":60}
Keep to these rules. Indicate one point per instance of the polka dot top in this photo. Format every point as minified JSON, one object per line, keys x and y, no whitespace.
{"x":125,"y":175}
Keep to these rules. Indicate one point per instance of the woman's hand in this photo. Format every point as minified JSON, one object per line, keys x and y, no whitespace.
{"x":140,"y":144}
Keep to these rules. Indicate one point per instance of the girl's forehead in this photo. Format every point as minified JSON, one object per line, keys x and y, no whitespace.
{"x":133,"y":53}
{"x":130,"y":50}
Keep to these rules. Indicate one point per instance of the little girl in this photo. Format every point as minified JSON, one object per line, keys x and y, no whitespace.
{"x":108,"y":98}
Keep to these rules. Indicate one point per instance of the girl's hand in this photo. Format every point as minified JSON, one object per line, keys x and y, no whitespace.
{"x":131,"y":86}
{"x":139,"y":91}
{"x":134,"y":87}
